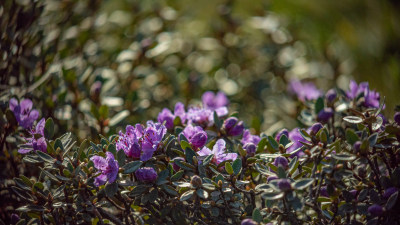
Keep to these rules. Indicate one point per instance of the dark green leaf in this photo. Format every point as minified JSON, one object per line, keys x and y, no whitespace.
{"x":237,"y":166}
{"x":217,"y":121}
{"x":49,"y":128}
{"x":261,"y":145}
{"x":202,"y":193}
{"x":273,"y":143}
{"x":343,"y":157}
{"x":187,"y":195}
{"x":170,"y":190}
{"x":302,"y":183}
{"x":121,"y":157}
{"x":353,"y":119}
{"x":257,"y":215}
{"x":208,"y":159}
{"x":111,"y":189}
{"x":45,"y":157}
{"x":319,"y":105}
{"x":228,"y":168}
{"x":351,"y":136}
{"x":272,"y":195}
{"x":189,"y":154}
{"x":132,"y":167}
{"x":177,"y":176}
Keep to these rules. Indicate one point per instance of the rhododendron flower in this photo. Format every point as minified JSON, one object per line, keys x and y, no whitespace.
{"x":196,"y":136}
{"x":281,"y":162}
{"x":34,"y":143}
{"x":146,"y":174}
{"x":304,"y":90}
{"x":250,"y":138}
{"x":107,"y":166}
{"x":214,"y":101}
{"x":233,"y":127}
{"x":371,"y":98}
{"x":200,"y":116}
{"x":218,"y":151}
{"x":23,"y":112}
{"x":141,"y":142}
{"x":169,"y":117}
{"x":295,"y":137}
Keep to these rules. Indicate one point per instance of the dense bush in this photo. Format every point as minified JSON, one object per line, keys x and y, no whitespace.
{"x":200,"y":165}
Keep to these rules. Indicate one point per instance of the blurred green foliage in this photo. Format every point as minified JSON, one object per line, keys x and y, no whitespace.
{"x":150,"y":54}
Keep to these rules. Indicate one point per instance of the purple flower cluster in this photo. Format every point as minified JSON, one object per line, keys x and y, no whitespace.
{"x":23,"y":112}
{"x":217,"y":102}
{"x":219,"y":152}
{"x":141,"y":142}
{"x":371,"y":98}
{"x":146,"y":174}
{"x":233,"y":127}
{"x":107,"y":166}
{"x":168,"y":117}
{"x":250,"y":142}
{"x":304,"y":90}
{"x":35,"y":143}
{"x":196,"y":136}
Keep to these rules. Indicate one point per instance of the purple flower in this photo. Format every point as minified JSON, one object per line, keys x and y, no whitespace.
{"x":14,"y":218}
{"x":371,"y":98}
{"x":36,"y":143}
{"x":249,"y":138}
{"x":141,"y":142}
{"x":389,"y":191}
{"x":304,"y":91}
{"x":331,"y":95}
{"x":107,"y":166}
{"x":313,"y":130}
{"x":167,"y":116}
{"x":218,"y":151}
{"x":214,"y":101}
{"x":281,"y":162}
{"x":324,"y":191}
{"x":280,"y":133}
{"x":357,"y":146}
{"x":248,"y":222}
{"x":325,"y":114}
{"x":200,"y":116}
{"x":353,"y":193}
{"x":146,"y":174}
{"x":397,"y":118}
{"x":23,"y":112}
{"x":284,"y":184}
{"x":295,"y":137}
{"x":375,"y":210}
{"x":233,"y":127}
{"x":196,"y":136}
{"x":250,"y":149}
{"x":174,"y":166}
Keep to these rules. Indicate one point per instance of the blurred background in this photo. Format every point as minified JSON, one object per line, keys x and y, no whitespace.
{"x":95,"y":66}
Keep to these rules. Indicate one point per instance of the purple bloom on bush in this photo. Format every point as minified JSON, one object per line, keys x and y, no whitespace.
{"x":280,"y":133}
{"x":375,"y":210}
{"x":315,"y":128}
{"x":330,"y":95}
{"x":200,"y":116}
{"x":250,"y":138}
{"x":14,"y":218}
{"x":233,"y":127}
{"x":248,"y":222}
{"x":107,"y":166}
{"x":250,"y":149}
{"x":219,"y":152}
{"x":169,"y":117}
{"x":36,"y":144}
{"x":295,"y":137}
{"x":141,"y":142}
{"x":357,"y":146}
{"x":196,"y":136}
{"x":214,"y":101}
{"x":146,"y":174}
{"x":23,"y":112}
{"x":371,"y":98}
{"x":281,"y":162}
{"x":324,"y":191}
{"x":284,"y":184}
{"x":304,"y":90}
{"x":389,"y":191}
{"x":325,"y":114}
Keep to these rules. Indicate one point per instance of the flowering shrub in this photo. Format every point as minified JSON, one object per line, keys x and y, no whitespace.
{"x":201,"y":166}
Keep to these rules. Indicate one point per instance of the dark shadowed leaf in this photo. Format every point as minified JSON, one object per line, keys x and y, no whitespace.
{"x":132,"y":167}
{"x":302,"y":183}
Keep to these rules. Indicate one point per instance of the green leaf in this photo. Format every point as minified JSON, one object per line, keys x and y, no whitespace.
{"x":343,"y":157}
{"x":31,"y":208}
{"x":45,"y":157}
{"x":208,"y":159}
{"x":372,"y":139}
{"x":132,"y":167}
{"x":138,"y":190}
{"x":303,"y":183}
{"x":184,"y":165}
{"x":177,"y":176}
{"x":111,"y":189}
{"x":353,"y":119}
{"x":217,"y":121}
{"x":392,"y":200}
{"x":261,"y":145}
{"x":293,"y":165}
{"x":49,"y":128}
{"x":351,"y":136}
{"x":319,"y":105}
{"x":272,"y":195}
{"x":273,"y":143}
{"x":202,"y":193}
{"x":187,"y":195}
{"x":257,"y":215}
{"x":189,"y":153}
{"x":184,"y":144}
{"x":162,"y":177}
{"x":305,"y":135}
{"x":58,"y":144}
{"x":170,"y":190}
{"x":284,"y":140}
{"x":281,"y":172}
{"x":237,"y":166}
{"x":84,"y":145}
{"x":228,"y":168}
{"x":121,"y":157}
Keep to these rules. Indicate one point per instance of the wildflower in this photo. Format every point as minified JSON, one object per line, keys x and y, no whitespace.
{"x":295,"y":137}
{"x":281,"y":162}
{"x":250,"y":149}
{"x":107,"y":166}
{"x":280,"y":133}
{"x":284,"y":185}
{"x":357,"y":146}
{"x":200,"y":116}
{"x":23,"y":112}
{"x":167,"y":116}
{"x":146,"y":174}
{"x":249,"y":138}
{"x":214,"y":101}
{"x":331,"y":95}
{"x":248,"y":222}
{"x":196,"y":136}
{"x":313,"y":130}
{"x":218,"y":151}
{"x":371,"y":98}
{"x":35,"y":143}
{"x":325,"y":114}
{"x":233,"y":127}
{"x":375,"y":210}
{"x":304,"y":91}
{"x":389,"y":191}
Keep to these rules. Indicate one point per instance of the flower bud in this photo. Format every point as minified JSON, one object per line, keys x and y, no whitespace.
{"x":281,"y":162}
{"x":233,"y":127}
{"x":280,"y":133}
{"x":356,"y":146}
{"x":248,"y":222}
{"x":397,"y":118}
{"x":196,"y":181}
{"x":315,"y":128}
{"x":389,"y":191}
{"x":14,"y":218}
{"x":324,"y":191}
{"x":353,"y":193}
{"x":174,"y":166}
{"x":250,"y":149}
{"x":325,"y":114}
{"x":375,"y":210}
{"x":146,"y":174}
{"x":330,"y":95}
{"x":199,"y":139}
{"x":284,"y":185}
